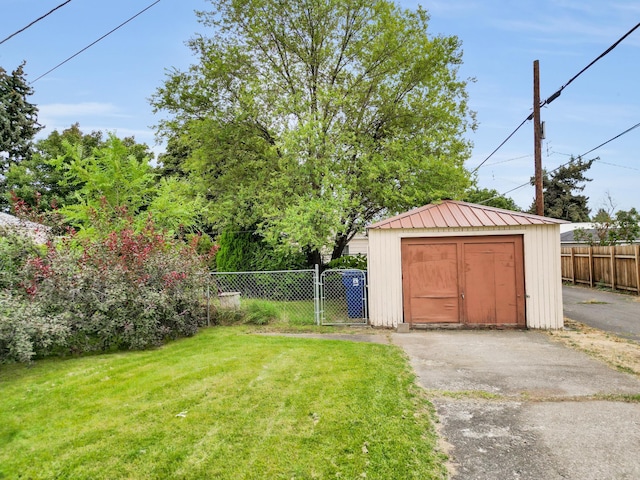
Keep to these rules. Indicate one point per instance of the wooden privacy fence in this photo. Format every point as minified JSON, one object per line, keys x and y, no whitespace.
{"x":616,"y":267}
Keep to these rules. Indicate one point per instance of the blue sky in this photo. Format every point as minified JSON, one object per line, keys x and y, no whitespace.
{"x":107,"y":87}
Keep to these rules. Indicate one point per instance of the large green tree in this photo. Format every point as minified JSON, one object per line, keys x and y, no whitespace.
{"x":311,"y":118}
{"x":491,"y":198}
{"x":561,"y":191}
{"x":36,"y":181}
{"x":18,"y":123}
{"x":40,"y":180}
{"x":116,"y":177}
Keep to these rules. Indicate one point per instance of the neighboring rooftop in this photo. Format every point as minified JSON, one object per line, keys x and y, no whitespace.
{"x":568,"y":237}
{"x":36,"y":231}
{"x":451,"y":213}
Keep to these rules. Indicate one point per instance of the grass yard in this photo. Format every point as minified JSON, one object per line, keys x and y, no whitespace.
{"x":224,"y":404}
{"x":291,"y":313}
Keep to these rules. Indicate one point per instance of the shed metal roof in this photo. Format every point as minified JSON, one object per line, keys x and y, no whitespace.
{"x":450,"y":213}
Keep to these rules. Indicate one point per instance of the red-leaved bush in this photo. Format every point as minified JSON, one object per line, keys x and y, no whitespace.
{"x":123,"y":290}
{"x":128,"y":290}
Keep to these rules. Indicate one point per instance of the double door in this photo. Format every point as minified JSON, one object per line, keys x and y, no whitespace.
{"x":468,"y":280}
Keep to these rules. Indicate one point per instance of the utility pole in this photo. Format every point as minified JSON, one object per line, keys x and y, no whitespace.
{"x":537,"y":141}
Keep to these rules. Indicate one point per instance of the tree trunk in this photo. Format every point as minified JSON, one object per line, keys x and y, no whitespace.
{"x":314,"y":257}
{"x":339,"y":246}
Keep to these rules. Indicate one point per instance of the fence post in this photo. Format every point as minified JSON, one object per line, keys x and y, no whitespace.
{"x":316,"y":294}
{"x":208,"y":299}
{"x":637,"y":259}
{"x":573,"y":265}
{"x":591,"y":266}
{"x":612,"y":251}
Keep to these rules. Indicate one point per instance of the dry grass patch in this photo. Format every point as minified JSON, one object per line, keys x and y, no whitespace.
{"x":618,"y":352}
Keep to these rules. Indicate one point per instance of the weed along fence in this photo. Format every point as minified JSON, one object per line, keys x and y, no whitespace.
{"x":616,"y":267}
{"x":297,"y":297}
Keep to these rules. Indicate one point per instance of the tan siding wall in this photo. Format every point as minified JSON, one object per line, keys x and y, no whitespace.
{"x":543,"y":285}
{"x":385,"y":278}
{"x":358,"y":245}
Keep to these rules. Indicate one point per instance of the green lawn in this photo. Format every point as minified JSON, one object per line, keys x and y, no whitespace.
{"x":298,"y":313}
{"x":222,"y":405}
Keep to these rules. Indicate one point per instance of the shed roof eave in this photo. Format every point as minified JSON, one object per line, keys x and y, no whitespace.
{"x":458,"y":214}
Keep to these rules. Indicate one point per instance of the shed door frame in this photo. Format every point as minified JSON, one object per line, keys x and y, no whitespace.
{"x":460,"y":242}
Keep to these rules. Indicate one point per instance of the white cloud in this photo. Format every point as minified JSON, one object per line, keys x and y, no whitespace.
{"x":571,"y":29}
{"x":92,"y":116}
{"x":57,"y":110}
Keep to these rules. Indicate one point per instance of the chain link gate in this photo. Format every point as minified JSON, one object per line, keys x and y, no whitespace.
{"x":343,"y":297}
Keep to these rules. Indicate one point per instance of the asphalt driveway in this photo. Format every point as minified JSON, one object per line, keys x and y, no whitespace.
{"x":516,"y":405}
{"x":612,"y":312}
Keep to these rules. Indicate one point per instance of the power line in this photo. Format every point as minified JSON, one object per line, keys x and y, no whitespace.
{"x":559,"y":91}
{"x":500,"y":146}
{"x":567,"y":163}
{"x":619,"y":166}
{"x":93,"y":43}
{"x":612,"y":139}
{"x":34,"y":22}
{"x":508,"y":160}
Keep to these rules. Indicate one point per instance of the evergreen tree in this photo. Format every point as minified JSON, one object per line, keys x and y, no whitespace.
{"x":561,"y":188}
{"x":18,"y":124}
{"x":243,"y":251}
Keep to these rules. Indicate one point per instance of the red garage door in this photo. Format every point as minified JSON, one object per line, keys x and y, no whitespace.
{"x":468,"y":280}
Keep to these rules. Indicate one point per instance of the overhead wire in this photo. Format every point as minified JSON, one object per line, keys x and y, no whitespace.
{"x":567,"y":163}
{"x":557,"y":93}
{"x":500,"y":146}
{"x":612,"y":139}
{"x":96,"y":41}
{"x":34,"y":22}
{"x":619,"y":166}
{"x":509,"y":160}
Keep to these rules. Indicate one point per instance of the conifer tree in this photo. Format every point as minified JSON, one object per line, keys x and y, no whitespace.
{"x":561,"y":191}
{"x":18,"y":123}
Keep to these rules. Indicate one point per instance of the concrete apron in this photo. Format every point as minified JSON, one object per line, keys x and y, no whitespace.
{"x":550,"y":418}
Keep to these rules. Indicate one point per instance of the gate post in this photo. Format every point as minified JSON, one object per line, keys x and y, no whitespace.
{"x":316,"y":294}
{"x":208,"y":299}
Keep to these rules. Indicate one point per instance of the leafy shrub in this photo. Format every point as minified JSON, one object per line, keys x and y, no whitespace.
{"x":25,"y":332}
{"x":205,"y":247}
{"x":122,"y":290}
{"x":349,"y":261}
{"x":129,"y":290}
{"x":15,"y":249}
{"x":248,"y":252}
{"x":47,"y":215}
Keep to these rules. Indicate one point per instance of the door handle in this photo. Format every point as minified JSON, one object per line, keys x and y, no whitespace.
{"x":462,"y":295}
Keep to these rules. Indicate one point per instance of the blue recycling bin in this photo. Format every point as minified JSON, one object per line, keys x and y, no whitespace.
{"x":353,"y":281}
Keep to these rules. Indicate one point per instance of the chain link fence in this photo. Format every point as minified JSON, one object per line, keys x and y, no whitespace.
{"x":292,"y":293}
{"x":300,"y":297}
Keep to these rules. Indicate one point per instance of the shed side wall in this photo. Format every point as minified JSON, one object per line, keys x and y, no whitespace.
{"x":543,"y":285}
{"x":384,"y":264}
{"x":543,"y":277}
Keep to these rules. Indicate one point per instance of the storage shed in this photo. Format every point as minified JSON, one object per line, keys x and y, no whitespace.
{"x":460,"y":264}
